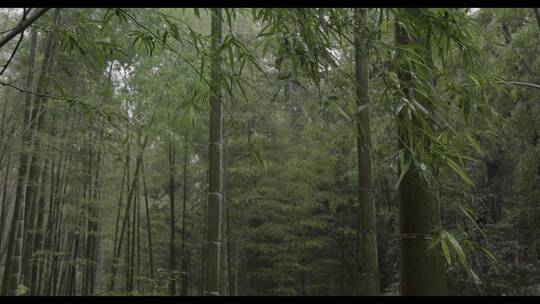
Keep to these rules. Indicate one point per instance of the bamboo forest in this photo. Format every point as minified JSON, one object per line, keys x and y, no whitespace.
{"x":269,"y":151}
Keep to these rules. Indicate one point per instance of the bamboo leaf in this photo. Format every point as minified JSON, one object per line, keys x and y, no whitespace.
{"x":446,"y":252}
{"x":475,"y":144}
{"x":457,"y":169}
{"x":475,"y":277}
{"x":343,"y":113}
{"x":404,"y":165}
{"x":469,"y":216}
{"x":457,"y":248}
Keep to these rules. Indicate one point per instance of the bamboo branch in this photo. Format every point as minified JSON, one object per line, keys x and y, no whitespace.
{"x":22,"y":26}
{"x":21,"y":90}
{"x":516,"y":83}
{"x":71,"y":101}
{"x":4,"y":67}
{"x":520,"y":83}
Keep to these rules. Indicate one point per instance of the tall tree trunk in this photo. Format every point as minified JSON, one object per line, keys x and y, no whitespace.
{"x":71,"y":289}
{"x":184,"y":200}
{"x":367,"y":225}
{"x":118,"y":219}
{"x":118,"y":250}
{"x":42,"y":239}
{"x":422,"y":270}
{"x":45,"y":244}
{"x":38,"y":230}
{"x":53,"y":236}
{"x":230,"y":277}
{"x":37,"y":124}
{"x":137,"y":285}
{"x":5,"y":209}
{"x":172,"y":241}
{"x":87,"y":193}
{"x":94,"y":224}
{"x":211,"y":286}
{"x":236,"y":269}
{"x":125,"y":221}
{"x":223,"y":245}
{"x":149,"y":231}
{"x":226,"y":288}
{"x":13,"y":265}
{"x":132,"y":239}
{"x":127,"y":254}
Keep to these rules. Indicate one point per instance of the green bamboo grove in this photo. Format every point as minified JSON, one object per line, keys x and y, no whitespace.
{"x":268,"y":151}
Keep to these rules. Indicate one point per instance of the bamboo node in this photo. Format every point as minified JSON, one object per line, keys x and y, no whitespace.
{"x":211,"y":293}
{"x":218,"y":194}
{"x":416,"y":236}
{"x":366,"y":231}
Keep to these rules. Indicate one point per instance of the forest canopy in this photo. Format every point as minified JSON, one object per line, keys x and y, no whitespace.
{"x":269,"y":151}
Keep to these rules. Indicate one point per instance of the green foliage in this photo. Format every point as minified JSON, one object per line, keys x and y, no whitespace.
{"x":22,"y":290}
{"x":125,"y":81}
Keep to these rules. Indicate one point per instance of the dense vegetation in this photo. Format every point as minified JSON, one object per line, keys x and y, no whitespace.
{"x":270,"y":151}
